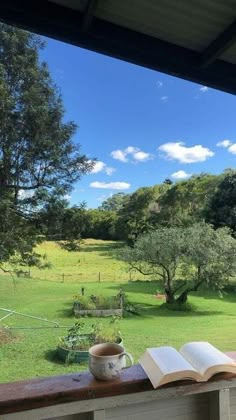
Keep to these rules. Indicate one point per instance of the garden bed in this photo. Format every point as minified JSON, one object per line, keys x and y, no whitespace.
{"x":98,"y":306}
{"x":96,"y":312}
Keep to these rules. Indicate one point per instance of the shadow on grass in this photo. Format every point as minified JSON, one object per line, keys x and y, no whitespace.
{"x":106,"y":249}
{"x":226,"y":296}
{"x":66,"y":310}
{"x":164,"y":312}
{"x":149,"y":287}
{"x":141,"y":286}
{"x":51,"y":356}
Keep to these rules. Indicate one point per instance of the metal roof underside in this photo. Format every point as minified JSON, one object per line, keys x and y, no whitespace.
{"x":191,"y":39}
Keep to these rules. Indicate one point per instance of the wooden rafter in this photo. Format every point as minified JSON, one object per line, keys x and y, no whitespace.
{"x":88,"y":15}
{"x":222,"y":43}
{"x":62,"y":23}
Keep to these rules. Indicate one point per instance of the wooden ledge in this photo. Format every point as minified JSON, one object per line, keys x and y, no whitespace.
{"x":44,"y":392}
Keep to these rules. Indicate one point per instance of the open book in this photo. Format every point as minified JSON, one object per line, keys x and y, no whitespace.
{"x":197,"y":361}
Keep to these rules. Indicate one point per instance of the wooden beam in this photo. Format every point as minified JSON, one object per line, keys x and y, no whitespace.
{"x":64,"y":24}
{"x":88,"y":15}
{"x":222,"y":43}
{"x":219,"y":405}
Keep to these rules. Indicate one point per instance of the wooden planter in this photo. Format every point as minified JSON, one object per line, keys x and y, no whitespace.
{"x":76,"y":356}
{"x":96,"y":312}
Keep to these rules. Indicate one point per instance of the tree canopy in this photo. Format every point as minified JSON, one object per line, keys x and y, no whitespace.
{"x":38,"y":156}
{"x":184,"y":258}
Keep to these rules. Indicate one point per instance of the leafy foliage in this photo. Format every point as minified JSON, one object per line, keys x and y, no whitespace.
{"x":221,"y":210}
{"x":37,"y":155}
{"x":184,"y":258}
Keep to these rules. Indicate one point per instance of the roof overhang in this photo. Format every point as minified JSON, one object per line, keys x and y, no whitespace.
{"x":191,"y":39}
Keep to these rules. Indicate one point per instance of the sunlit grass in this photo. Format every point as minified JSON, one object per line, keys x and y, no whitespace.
{"x":213,"y":320}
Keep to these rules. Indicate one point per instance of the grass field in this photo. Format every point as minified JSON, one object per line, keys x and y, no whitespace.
{"x":95,"y":260}
{"x":32,"y":352}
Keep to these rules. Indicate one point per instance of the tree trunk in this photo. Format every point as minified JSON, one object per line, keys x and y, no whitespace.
{"x":183,"y":297}
{"x":169,"y":296}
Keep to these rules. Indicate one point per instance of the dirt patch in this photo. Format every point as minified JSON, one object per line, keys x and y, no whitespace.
{"x":6,"y":336}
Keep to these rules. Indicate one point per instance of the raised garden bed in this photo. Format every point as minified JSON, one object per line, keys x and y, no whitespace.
{"x":96,"y":312}
{"x":98,"y":306}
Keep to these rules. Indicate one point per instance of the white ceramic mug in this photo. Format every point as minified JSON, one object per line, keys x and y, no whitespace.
{"x":106,"y":361}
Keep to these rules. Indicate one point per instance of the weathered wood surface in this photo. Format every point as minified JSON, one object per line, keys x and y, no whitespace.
{"x":44,"y":392}
{"x":232,"y":399}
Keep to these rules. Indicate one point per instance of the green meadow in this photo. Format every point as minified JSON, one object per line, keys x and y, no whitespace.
{"x":96,"y":260}
{"x":31,"y":349}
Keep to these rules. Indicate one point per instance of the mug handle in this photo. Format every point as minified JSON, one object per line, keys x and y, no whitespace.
{"x":130,"y":357}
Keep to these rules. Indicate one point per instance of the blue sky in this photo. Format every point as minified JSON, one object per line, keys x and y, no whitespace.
{"x":142,"y":126}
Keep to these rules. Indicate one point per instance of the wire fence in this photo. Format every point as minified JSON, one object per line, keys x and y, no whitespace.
{"x":60,"y":276}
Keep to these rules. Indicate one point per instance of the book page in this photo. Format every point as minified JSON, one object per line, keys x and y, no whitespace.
{"x":202,"y":356}
{"x":169,"y":360}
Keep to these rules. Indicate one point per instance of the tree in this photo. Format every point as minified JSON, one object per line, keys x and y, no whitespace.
{"x":115,"y":202}
{"x":135,"y":214}
{"x":184,"y":258}
{"x":221,"y":208}
{"x":184,"y":202}
{"x":101,"y":225}
{"x":37,"y":154}
{"x":51,"y":215}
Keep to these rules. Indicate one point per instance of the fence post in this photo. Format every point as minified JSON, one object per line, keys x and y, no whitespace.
{"x":63,"y":277}
{"x":99,"y":276}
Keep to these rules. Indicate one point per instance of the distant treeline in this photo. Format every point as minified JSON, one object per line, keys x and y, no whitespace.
{"x":125,"y":216}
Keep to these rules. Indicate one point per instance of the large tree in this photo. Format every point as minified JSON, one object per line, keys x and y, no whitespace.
{"x":38,"y":156}
{"x":221,"y":208}
{"x":183,"y":259}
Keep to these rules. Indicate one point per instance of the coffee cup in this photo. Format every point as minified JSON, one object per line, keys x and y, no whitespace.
{"x":107,"y":360}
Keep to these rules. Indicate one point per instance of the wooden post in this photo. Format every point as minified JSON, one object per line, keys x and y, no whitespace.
{"x":219,"y":405}
{"x":130,"y":276}
{"x":99,"y":415}
{"x":99,"y":276}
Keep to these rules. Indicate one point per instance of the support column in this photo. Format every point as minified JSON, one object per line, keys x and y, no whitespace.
{"x":219,"y":407}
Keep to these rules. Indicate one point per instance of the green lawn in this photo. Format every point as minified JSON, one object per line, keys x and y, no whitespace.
{"x":32,"y":353}
{"x":95,"y":256}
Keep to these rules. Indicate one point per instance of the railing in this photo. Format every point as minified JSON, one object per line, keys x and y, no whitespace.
{"x":80,"y":396}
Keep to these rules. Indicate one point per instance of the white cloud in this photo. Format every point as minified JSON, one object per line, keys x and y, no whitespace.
{"x":232,"y":149}
{"x":133,"y":152}
{"x":164,"y":98}
{"x":203,"y":89}
{"x":119,"y":155}
{"x":141,"y":156}
{"x":185,"y":154}
{"x":180,"y":175}
{"x":159,"y":84}
{"x":111,"y":185}
{"x":67,"y":197}
{"x":98,"y":167}
{"x":102,"y":167}
{"x":224,"y":143}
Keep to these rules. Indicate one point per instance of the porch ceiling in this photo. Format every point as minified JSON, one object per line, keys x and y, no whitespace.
{"x":192,"y":39}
